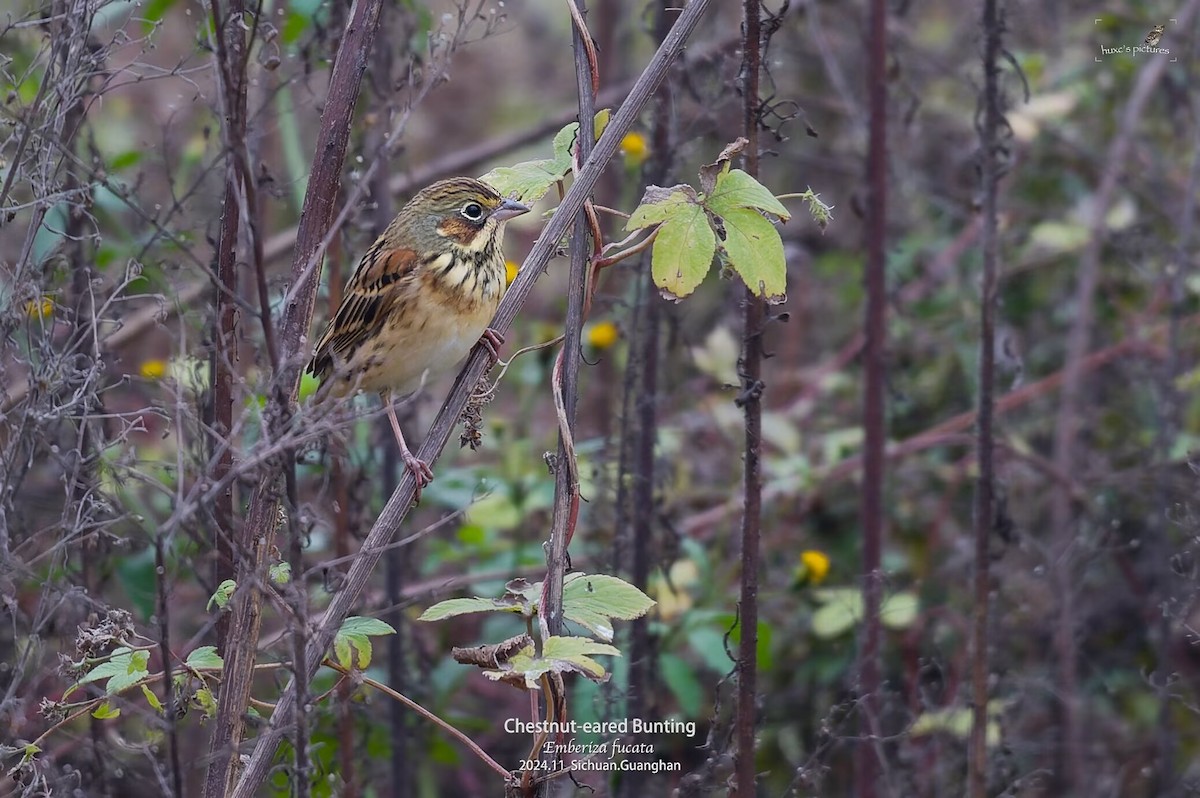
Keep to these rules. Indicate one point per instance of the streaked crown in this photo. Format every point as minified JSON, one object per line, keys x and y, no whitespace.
{"x":457,"y":209}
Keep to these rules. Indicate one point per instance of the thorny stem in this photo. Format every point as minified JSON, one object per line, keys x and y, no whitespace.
{"x":984,"y":512}
{"x":566,"y":365}
{"x":230,"y":43}
{"x":750,"y":371}
{"x":869,"y":753}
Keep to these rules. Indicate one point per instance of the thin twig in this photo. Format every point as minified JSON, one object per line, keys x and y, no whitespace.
{"x":750,"y":399}
{"x":985,"y":510}
{"x":423,"y":712}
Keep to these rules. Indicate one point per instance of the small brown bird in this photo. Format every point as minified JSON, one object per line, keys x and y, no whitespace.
{"x":1154,"y":36}
{"x":421,"y":297}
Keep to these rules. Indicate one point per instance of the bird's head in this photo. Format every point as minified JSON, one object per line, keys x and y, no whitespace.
{"x":461,"y":211}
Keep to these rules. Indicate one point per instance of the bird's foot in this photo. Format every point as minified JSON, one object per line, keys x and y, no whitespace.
{"x":492,"y":341}
{"x":420,"y":471}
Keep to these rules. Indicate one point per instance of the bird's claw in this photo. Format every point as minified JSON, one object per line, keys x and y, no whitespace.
{"x":492,"y":341}
{"x":421,"y":472}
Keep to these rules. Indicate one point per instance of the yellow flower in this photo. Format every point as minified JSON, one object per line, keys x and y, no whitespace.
{"x":635,"y":149}
{"x":602,"y":335}
{"x":814,"y":566}
{"x":154,"y":369}
{"x":510,"y":271}
{"x":39,"y":308}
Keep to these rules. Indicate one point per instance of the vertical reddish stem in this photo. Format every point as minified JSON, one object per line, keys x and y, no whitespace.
{"x":874,"y":424}
{"x":751,"y":373}
{"x":230,"y":47}
{"x":985,"y":484}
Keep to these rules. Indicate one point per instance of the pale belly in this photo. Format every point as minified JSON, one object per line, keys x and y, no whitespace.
{"x":431,"y":344}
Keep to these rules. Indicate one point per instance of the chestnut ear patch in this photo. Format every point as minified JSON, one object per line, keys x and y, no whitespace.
{"x":458,"y":230}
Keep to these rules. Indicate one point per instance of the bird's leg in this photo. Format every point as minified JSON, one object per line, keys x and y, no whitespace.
{"x":419,"y":468}
{"x":492,"y":341}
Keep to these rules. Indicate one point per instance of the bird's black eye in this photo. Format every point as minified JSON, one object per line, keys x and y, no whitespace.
{"x":472,"y":211}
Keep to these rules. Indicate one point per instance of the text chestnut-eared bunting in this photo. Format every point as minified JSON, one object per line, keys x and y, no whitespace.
{"x":421,"y":298}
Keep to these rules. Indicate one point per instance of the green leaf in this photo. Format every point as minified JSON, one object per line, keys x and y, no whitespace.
{"x":563,"y":141}
{"x":372,"y":627}
{"x":205,"y":657}
{"x":281,"y":573}
{"x":155,"y":11}
{"x":957,"y":721}
{"x":294,"y":26}
{"x":124,"y":160}
{"x":683,"y":252}
{"x":356,"y":632}
{"x":709,"y":644}
{"x":208,"y":704}
{"x":843,"y":608}
{"x":737,"y":189}
{"x":559,"y":655}
{"x":123,"y":669}
{"x":593,"y":601}
{"x":465,"y":606}
{"x":530,"y":180}
{"x":762,"y":643}
{"x":222,"y":595}
{"x":681,"y":680}
{"x":600,"y":122}
{"x":755,"y":252}
{"x":152,"y":699}
{"x":106,"y":711}
{"x":137,"y":574}
{"x":496,"y":510}
{"x":899,"y":611}
{"x":659,"y":204}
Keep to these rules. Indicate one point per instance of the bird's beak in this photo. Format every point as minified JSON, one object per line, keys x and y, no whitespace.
{"x":508,"y":209}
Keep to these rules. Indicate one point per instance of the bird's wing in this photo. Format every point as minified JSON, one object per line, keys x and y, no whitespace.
{"x":374,"y":293}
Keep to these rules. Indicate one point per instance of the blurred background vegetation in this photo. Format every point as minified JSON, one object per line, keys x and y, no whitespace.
{"x":108,"y":222}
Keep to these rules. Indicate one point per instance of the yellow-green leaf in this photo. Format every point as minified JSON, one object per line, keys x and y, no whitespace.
{"x":594,"y":600}
{"x":151,"y":698}
{"x":205,"y":657}
{"x":281,"y":573}
{"x":106,"y":711}
{"x":355,"y":635}
{"x":559,"y":655}
{"x":659,"y":204}
{"x":737,"y":189}
{"x":601,"y":121}
{"x":683,"y":251}
{"x":206,"y":701}
{"x":755,"y":252}
{"x":222,"y":595}
{"x":528,"y":181}
{"x":451,"y":608}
